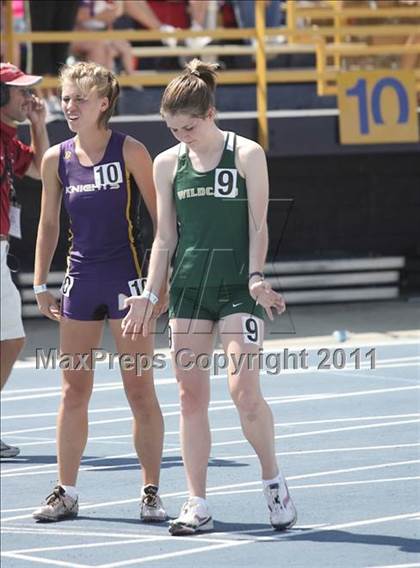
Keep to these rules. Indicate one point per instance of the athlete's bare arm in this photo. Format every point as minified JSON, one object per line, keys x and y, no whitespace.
{"x":251,"y":160}
{"x":140,"y":166}
{"x":141,"y":310}
{"x":48,"y":229}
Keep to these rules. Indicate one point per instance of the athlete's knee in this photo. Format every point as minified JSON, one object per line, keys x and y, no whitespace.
{"x":192,"y":401}
{"x":247,"y":401}
{"x":75,"y":396}
{"x":142,"y":399}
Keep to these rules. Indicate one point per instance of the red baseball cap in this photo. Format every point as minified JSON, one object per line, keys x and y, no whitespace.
{"x":12,"y":75}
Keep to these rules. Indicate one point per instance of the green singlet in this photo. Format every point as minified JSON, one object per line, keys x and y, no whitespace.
{"x":212,"y":213}
{"x":212,"y":257}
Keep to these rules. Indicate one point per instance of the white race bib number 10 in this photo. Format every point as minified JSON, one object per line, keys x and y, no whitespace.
{"x":108,"y":174}
{"x":136,"y":286}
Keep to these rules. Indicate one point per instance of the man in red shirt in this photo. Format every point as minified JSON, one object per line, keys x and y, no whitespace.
{"x":17,"y":104}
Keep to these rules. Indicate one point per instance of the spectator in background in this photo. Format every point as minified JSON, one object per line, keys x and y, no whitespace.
{"x":47,"y":58}
{"x":166,"y":15}
{"x":99,"y":15}
{"x":274,"y":16}
{"x":16,"y":158}
{"x":182,"y":14}
{"x":198,"y":10}
{"x":142,"y":14}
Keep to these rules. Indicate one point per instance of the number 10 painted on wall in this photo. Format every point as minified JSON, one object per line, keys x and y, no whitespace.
{"x":377,"y":107}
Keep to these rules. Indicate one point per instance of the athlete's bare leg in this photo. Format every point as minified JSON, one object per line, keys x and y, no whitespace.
{"x":9,"y":351}
{"x":141,"y":395}
{"x":195,"y":337}
{"x":244,"y":385}
{"x":72,"y":424}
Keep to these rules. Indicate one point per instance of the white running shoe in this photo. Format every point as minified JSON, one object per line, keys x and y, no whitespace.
{"x":194,"y":517}
{"x":7,"y":451}
{"x":151,"y":507}
{"x":58,"y":506}
{"x":283,"y":514}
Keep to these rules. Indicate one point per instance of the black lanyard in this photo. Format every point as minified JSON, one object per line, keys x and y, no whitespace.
{"x":8,"y":175}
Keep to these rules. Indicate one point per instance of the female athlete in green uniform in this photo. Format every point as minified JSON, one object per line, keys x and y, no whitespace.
{"x":212,"y":193}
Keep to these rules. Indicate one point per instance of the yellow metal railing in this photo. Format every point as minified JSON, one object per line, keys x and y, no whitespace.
{"x":341,"y":37}
{"x":328,"y":41}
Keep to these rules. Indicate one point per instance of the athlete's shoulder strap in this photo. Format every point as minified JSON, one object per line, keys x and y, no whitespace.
{"x":231,"y":142}
{"x":66,"y":156}
{"x":230,"y":149}
{"x":182,"y":150}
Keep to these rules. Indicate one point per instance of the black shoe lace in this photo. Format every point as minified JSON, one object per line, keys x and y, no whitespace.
{"x":150,"y":496}
{"x":150,"y":500}
{"x":54,"y":496}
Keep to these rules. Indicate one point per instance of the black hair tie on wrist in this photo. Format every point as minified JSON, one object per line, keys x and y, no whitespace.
{"x":256,"y":274}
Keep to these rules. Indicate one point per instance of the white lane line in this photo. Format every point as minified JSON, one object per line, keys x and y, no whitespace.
{"x":104,"y":387}
{"x":411,"y":565}
{"x":301,"y":398}
{"x":367,"y":522}
{"x":388,"y":378}
{"x":227,"y":401}
{"x":104,"y":439}
{"x":231,"y":543}
{"x":178,"y":553}
{"x":229,"y":458}
{"x":46,"y":561}
{"x":381,"y":364}
{"x":233,"y":428}
{"x":237,"y":485}
{"x":184,"y":494}
{"x":324,"y":485}
{"x":290,"y":534}
{"x":323,"y":451}
{"x":51,"y":468}
{"x":125,"y":408}
{"x":324,"y":473}
{"x":40,"y":529}
{"x":49,"y":530}
{"x":132,"y":540}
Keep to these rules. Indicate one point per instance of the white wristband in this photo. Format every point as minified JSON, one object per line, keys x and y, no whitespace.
{"x":150,"y":296}
{"x":38,"y":289}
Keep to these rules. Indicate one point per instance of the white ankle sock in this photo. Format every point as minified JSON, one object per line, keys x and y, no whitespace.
{"x":70,"y":490}
{"x":278,"y":479}
{"x":200,"y":501}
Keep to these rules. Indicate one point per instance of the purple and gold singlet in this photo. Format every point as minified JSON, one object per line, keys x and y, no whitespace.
{"x":102,"y":263}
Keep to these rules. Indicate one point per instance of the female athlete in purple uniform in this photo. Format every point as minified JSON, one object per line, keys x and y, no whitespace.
{"x":91,"y":174}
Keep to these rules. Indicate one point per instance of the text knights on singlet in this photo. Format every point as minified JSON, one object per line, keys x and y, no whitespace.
{"x":87,"y":187}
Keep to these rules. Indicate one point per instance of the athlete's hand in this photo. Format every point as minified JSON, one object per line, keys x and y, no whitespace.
{"x":139,"y":317}
{"x":262,"y":292}
{"x":48,"y":305}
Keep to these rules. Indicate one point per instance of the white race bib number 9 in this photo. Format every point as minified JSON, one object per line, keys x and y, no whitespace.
{"x":225,"y":182}
{"x":251,"y":329}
